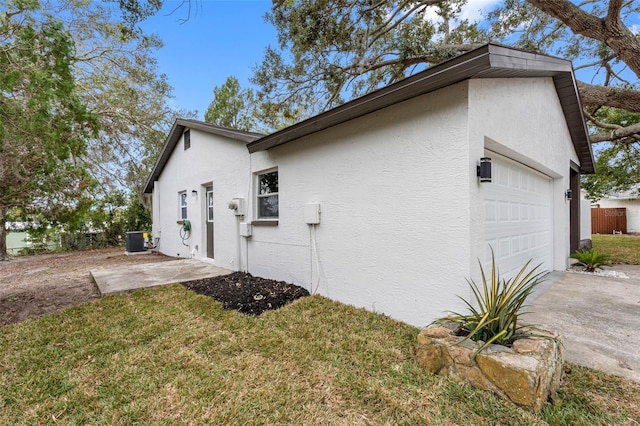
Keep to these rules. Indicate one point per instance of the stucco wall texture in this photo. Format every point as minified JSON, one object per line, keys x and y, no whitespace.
{"x":211,"y":160}
{"x":401,"y":208}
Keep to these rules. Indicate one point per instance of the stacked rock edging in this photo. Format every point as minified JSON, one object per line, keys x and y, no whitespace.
{"x":528,"y":373}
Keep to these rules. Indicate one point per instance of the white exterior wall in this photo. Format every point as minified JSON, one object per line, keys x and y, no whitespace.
{"x":521,"y":119}
{"x":402,"y":220}
{"x":211,"y":159}
{"x":394,"y":199}
{"x":633,"y":211}
{"x":585,"y":219}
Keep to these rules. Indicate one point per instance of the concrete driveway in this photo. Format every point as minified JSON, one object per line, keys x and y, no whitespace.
{"x":599,"y":318}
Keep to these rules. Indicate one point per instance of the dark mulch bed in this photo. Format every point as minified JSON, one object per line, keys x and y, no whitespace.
{"x":246,"y":293}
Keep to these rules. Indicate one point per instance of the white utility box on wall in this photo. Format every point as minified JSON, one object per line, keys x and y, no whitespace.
{"x":238,"y":205}
{"x":245,"y":229}
{"x":312,"y":213}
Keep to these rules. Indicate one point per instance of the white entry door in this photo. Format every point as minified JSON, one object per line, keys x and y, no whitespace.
{"x":518,"y":217}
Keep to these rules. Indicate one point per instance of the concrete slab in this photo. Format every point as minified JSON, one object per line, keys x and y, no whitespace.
{"x":597,"y":316}
{"x":144,"y":275}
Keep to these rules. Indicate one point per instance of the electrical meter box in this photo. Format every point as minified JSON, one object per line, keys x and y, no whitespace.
{"x":239,"y":206}
{"x":312,"y":213}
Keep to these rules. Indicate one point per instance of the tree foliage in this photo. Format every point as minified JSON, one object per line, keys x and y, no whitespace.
{"x":134,"y":11}
{"x":106,"y":65}
{"x":330,"y":51}
{"x":232,"y":106}
{"x":617,"y":165}
{"x":44,"y":124}
{"x":117,"y":78}
{"x":243,"y":109}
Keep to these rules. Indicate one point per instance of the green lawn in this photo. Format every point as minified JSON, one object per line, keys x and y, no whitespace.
{"x":169,"y":356}
{"x":619,"y":248}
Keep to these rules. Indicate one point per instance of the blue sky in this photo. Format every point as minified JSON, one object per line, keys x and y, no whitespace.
{"x":221,"y":38}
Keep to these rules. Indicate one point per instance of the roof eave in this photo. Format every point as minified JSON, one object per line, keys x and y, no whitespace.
{"x":170,"y":143}
{"x":178,"y":128}
{"x":403,"y":90}
{"x":489,"y":61}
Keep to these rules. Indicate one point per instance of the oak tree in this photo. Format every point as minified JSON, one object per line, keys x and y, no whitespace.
{"x":333,"y":50}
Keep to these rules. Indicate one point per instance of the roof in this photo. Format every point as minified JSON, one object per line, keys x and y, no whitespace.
{"x":178,"y":128}
{"x":630,"y":194}
{"x":488,"y":61}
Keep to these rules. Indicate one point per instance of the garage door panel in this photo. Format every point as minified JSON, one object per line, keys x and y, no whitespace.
{"x":518,"y":219}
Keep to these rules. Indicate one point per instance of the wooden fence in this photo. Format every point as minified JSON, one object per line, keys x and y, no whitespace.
{"x":608,"y":220}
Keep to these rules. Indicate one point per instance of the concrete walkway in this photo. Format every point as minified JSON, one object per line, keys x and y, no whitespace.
{"x":599,"y":318}
{"x":144,"y":275}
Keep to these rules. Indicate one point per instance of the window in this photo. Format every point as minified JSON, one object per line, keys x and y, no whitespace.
{"x":268,"y":195}
{"x":183,"y":204}
{"x":209,"y":204}
{"x":187,"y":139}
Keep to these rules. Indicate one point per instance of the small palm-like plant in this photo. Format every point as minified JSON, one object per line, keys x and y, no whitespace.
{"x":590,"y":260}
{"x":494,"y":316}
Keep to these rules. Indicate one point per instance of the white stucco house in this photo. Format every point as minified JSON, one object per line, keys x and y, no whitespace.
{"x":378,"y":203}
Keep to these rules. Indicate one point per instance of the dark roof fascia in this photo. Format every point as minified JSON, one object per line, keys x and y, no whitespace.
{"x":567,"y":89}
{"x":238,"y":135}
{"x":178,"y":128}
{"x":488,"y":61}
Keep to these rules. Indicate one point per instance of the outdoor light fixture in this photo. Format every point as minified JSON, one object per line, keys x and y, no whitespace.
{"x":194,"y":193}
{"x":484,"y":169}
{"x":568,"y":195}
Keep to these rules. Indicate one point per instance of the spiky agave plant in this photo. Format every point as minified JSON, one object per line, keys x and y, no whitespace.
{"x":494,"y":316}
{"x":590,"y":260}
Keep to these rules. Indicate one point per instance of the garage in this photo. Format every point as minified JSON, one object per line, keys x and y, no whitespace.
{"x":518,"y":217}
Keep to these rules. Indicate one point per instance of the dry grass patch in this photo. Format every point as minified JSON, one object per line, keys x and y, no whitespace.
{"x":620,"y":248}
{"x":169,"y":356}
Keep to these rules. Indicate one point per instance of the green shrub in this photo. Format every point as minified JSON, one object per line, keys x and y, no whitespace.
{"x":590,"y":260}
{"x":494,"y":316}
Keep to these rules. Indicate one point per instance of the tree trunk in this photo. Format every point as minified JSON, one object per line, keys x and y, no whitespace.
{"x":610,"y":30}
{"x":3,"y":233}
{"x":617,"y":97}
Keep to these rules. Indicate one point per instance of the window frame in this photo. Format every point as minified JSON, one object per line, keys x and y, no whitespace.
{"x":259,"y":196}
{"x":186,"y":136}
{"x":209,"y":201}
{"x":182,"y":205}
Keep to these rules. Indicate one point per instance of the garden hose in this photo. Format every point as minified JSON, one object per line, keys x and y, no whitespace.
{"x":185,"y":232}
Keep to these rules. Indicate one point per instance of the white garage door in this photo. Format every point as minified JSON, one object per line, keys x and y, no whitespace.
{"x":518,"y":217}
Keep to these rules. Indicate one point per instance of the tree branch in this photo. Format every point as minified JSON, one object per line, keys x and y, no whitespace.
{"x":620,"y":133}
{"x":616,"y":97}
{"x":611,"y":30}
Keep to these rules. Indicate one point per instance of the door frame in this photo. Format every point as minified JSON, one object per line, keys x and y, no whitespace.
{"x":209,"y":219}
{"x":574,"y":207}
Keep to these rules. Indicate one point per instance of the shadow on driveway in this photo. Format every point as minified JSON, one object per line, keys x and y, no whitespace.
{"x":599,"y":318}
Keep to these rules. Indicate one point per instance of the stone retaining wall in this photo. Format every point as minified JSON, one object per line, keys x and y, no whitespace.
{"x":528,"y":373}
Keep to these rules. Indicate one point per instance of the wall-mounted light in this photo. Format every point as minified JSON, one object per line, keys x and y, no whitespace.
{"x":484,"y":169}
{"x":568,"y":195}
{"x":194,"y":193}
